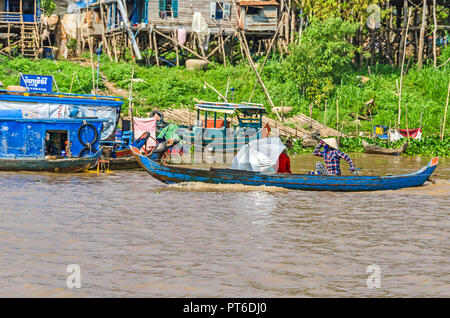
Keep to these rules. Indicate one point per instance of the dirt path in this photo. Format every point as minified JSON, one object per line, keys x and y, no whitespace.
{"x":111,"y":88}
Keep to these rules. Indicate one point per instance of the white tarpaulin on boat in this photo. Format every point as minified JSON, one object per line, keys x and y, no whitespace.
{"x":52,"y":110}
{"x":259,"y":155}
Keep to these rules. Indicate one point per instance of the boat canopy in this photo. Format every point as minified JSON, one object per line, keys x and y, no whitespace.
{"x":230,"y":108}
{"x":69,"y":106}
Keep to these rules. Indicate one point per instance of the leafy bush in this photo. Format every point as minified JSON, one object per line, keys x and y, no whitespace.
{"x":318,"y":60}
{"x":48,"y":6}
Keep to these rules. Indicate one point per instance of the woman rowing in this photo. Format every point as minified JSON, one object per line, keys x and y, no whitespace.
{"x":332,"y":157}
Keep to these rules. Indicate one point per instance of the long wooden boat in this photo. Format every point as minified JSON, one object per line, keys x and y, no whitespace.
{"x":171,"y":174}
{"x":50,"y":165}
{"x":383,"y":151}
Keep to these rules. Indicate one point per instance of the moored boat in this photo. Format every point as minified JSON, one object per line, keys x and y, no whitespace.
{"x":53,"y":145}
{"x":50,"y":164}
{"x":218,"y":134}
{"x":374,"y":149}
{"x":171,"y":174}
{"x":70,"y":106}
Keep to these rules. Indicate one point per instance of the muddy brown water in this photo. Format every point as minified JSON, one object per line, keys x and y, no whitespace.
{"x":134,"y":236}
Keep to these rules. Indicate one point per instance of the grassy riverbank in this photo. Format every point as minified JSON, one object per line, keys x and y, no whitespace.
{"x":424,"y":93}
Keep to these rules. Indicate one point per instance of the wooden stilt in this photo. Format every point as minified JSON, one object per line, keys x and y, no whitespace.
{"x":434,"y":34}
{"x":155,"y":45}
{"x":105,"y":42}
{"x":176,"y":47}
{"x":223,"y":50}
{"x":422,"y":35}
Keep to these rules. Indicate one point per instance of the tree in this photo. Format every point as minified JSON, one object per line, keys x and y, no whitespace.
{"x":48,"y":6}
{"x":318,"y":60}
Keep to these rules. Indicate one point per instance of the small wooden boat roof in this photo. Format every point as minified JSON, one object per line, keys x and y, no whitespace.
{"x":53,"y":120}
{"x":229,"y":108}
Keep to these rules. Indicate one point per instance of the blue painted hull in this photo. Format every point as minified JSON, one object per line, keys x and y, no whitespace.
{"x":171,"y":174}
{"x":45,"y":165}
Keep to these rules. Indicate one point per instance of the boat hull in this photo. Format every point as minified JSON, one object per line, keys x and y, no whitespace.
{"x":171,"y":174}
{"x":123,"y":163}
{"x":383,"y":151}
{"x":46,"y":165}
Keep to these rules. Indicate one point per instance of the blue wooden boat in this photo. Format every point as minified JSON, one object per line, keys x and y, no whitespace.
{"x":53,"y":145}
{"x":171,"y":174}
{"x":61,"y":105}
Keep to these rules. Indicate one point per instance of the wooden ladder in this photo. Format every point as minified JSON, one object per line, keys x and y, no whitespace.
{"x":30,"y":39}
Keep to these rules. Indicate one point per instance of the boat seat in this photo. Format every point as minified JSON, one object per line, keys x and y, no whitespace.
{"x":210,"y":123}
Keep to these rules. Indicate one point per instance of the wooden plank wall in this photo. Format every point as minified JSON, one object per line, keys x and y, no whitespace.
{"x":186,"y":11}
{"x":266,"y":19}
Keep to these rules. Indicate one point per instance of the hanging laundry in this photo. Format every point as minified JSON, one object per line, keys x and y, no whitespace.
{"x":181,"y":36}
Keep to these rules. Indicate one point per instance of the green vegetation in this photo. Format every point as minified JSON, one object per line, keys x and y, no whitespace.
{"x":48,"y":6}
{"x":428,"y":146}
{"x":424,"y":92}
{"x":63,"y":71}
{"x":320,"y":59}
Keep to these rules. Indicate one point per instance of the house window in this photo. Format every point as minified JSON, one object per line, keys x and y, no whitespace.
{"x":252,"y":10}
{"x":220,"y":10}
{"x":168,"y":8}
